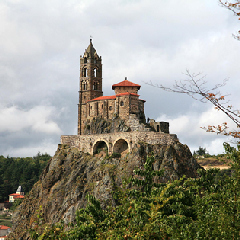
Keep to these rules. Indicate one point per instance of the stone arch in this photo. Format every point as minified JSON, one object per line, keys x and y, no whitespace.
{"x":100,"y":144}
{"x":121,"y":145}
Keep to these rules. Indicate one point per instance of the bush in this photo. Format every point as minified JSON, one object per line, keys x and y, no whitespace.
{"x":116,"y":155}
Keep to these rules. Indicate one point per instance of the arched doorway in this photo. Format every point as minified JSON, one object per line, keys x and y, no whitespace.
{"x":120,"y":146}
{"x":100,"y":146}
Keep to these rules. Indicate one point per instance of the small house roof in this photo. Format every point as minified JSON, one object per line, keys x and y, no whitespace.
{"x":2,"y":227}
{"x":16,"y":195}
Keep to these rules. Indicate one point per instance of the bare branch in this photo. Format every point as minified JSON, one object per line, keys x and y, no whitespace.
{"x":195,"y":87}
{"x":233,"y":6}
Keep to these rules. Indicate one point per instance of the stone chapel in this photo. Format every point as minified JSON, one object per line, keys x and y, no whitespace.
{"x":117,"y":121}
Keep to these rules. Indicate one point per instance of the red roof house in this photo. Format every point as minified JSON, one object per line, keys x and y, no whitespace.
{"x":4,"y":231}
{"x":18,"y":195}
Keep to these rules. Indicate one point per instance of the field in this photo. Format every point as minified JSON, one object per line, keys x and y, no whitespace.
{"x":5,"y":220}
{"x":213,"y":162}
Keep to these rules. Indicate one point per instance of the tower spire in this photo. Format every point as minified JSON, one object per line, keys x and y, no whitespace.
{"x":90,"y":83}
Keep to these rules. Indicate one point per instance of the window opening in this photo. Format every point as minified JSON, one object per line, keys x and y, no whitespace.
{"x":95,"y":86}
{"x":84,"y":72}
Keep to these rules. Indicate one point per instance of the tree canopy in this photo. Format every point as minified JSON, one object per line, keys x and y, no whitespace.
{"x":23,"y":172}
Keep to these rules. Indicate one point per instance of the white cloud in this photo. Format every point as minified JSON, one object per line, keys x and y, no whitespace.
{"x":140,"y":39}
{"x":189,"y":130}
{"x":45,"y":146}
{"x":37,"y":119}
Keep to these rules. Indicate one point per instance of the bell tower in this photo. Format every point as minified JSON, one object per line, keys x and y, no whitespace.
{"x":90,"y":82}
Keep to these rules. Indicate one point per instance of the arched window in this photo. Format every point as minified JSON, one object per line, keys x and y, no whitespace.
{"x":121,"y":103}
{"x":84,"y":72}
{"x":85,"y":60}
{"x":95,"y":86}
{"x":110,"y":108}
{"x":94,"y":72}
{"x":84,"y":85}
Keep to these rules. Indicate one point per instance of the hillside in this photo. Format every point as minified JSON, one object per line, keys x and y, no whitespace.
{"x":23,"y":172}
{"x":214,"y":162}
{"x":71,"y":175}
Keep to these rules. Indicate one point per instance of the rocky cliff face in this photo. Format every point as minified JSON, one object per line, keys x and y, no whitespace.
{"x":71,"y":174}
{"x":100,"y":125}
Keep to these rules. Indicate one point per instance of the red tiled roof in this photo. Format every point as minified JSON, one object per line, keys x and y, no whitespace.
{"x":103,"y":98}
{"x":20,"y":196}
{"x":16,"y":195}
{"x":125,"y":83}
{"x":2,"y":227}
{"x":111,"y":97}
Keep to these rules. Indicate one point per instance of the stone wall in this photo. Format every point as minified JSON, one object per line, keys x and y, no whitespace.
{"x":107,"y":108}
{"x":126,"y":89}
{"x":159,"y":126}
{"x":87,"y":143}
{"x":135,"y":125}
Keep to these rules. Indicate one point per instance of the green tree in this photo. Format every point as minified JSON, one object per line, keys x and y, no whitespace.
{"x":20,"y":171}
{"x":201,"y":151}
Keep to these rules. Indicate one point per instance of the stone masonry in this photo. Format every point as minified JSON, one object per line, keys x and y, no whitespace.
{"x":113,"y":141}
{"x":125,"y":105}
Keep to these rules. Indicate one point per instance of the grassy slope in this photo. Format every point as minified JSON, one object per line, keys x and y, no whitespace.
{"x":5,"y":220}
{"x":211,"y":162}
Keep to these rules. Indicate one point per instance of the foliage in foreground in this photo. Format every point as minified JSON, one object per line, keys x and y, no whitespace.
{"x":203,"y":208}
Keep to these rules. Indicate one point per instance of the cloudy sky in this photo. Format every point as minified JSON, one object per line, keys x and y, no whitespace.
{"x":144,"y":40}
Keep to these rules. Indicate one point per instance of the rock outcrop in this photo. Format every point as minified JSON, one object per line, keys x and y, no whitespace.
{"x":100,"y":125}
{"x":71,"y":175}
